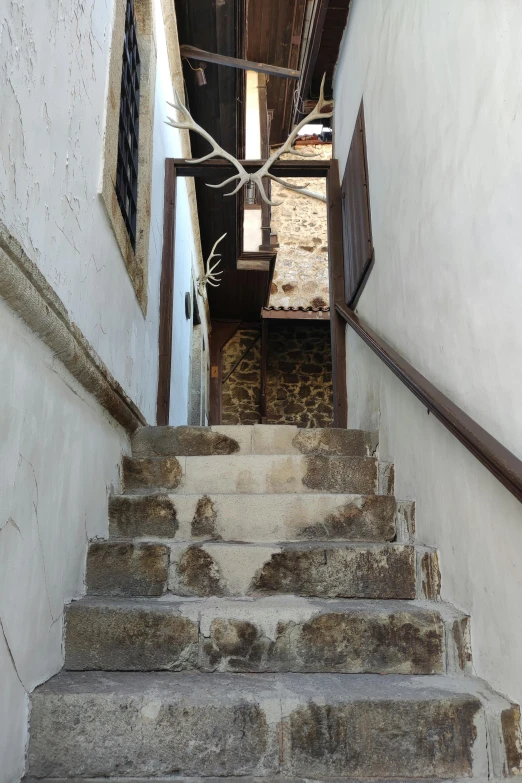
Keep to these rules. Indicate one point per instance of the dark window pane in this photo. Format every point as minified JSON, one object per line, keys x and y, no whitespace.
{"x":128,"y":133}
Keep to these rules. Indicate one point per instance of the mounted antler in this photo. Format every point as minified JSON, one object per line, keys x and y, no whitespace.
{"x":217,"y":152}
{"x":211,"y":277}
{"x":188,"y":123}
{"x":264,"y":171}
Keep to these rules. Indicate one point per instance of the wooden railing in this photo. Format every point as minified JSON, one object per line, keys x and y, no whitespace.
{"x":504,"y":465}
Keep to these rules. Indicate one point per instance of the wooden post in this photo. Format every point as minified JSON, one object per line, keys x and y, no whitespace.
{"x":166,"y":294}
{"x":264,"y":367}
{"x":336,"y":280}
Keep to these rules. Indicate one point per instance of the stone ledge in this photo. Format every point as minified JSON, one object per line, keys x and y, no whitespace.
{"x":30,"y":296}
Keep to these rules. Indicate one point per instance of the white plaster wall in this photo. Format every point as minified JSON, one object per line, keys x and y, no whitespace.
{"x":442,"y":86}
{"x":252,"y":232}
{"x":167,"y":144}
{"x":60,"y":455}
{"x":53,"y":80}
{"x":252,"y":218}
{"x":253,"y":117}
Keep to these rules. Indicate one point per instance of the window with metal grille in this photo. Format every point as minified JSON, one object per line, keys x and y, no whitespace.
{"x":127,"y":167}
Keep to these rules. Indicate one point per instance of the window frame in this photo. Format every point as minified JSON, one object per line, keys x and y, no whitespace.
{"x":358,"y":251}
{"x":127,"y":168}
{"x":135,"y":257}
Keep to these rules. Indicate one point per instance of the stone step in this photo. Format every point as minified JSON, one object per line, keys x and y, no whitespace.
{"x":252,"y":474}
{"x":250,"y":779}
{"x":270,"y":517}
{"x":251,"y":439}
{"x":92,"y":724}
{"x":324,"y":569}
{"x":276,"y":634}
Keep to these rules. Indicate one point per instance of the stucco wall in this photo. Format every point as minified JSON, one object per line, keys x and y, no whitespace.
{"x":59,"y":450}
{"x":54,"y":67}
{"x":60,"y":454}
{"x":301,"y":272}
{"x":442,"y":87}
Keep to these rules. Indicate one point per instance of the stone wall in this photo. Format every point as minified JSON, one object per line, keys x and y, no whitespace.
{"x":301,"y":273}
{"x":242,"y":391}
{"x":299,"y":374}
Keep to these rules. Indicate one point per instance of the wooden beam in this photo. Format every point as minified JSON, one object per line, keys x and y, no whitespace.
{"x":264,"y":371}
{"x":222,"y":168}
{"x":336,"y":279}
{"x":293,"y":59}
{"x":193,"y":53}
{"x":166,"y":294}
{"x":315,"y":34}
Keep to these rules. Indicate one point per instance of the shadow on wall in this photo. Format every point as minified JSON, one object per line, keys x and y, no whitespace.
{"x":299,"y":374}
{"x":242,"y":389}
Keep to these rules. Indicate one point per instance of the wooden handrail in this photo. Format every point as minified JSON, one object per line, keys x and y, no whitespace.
{"x":504,"y":465}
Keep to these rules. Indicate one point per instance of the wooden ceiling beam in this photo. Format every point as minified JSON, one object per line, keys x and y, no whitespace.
{"x":192,"y":53}
{"x":222,"y":168}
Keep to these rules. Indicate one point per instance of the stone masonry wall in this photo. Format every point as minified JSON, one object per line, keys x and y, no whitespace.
{"x":242,"y":391}
{"x":299,"y":374}
{"x":301,"y":273}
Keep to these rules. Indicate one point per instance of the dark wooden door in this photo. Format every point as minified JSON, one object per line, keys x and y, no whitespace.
{"x":357,"y":228}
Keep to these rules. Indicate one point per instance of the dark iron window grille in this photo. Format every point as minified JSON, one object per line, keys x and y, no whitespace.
{"x":127,"y":166}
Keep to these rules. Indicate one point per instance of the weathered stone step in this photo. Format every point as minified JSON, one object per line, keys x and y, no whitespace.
{"x":270,"y":517}
{"x":315,"y":725}
{"x":251,"y":439}
{"x":276,"y":634}
{"x":324,"y":569}
{"x":250,"y":779}
{"x":252,"y":474}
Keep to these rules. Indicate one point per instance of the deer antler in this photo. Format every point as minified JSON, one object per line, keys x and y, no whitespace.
{"x":211,"y":277}
{"x":264,"y":171}
{"x":189,"y":123}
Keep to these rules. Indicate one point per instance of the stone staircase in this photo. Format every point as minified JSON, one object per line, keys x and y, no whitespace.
{"x":256,"y":584}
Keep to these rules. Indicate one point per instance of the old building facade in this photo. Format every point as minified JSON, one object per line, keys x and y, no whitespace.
{"x":324,"y":583}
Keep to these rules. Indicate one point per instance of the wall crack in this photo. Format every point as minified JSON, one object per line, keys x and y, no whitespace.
{"x":11,"y":656}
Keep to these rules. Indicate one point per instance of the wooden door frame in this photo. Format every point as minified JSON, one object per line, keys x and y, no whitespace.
{"x":166,"y":307}
{"x":328,"y":169}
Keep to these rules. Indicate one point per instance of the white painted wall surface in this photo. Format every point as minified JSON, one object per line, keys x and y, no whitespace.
{"x":252,"y":231}
{"x":53,"y":80}
{"x":60,"y":455}
{"x":252,"y":218}
{"x":167,"y":144}
{"x":442,"y":87}
{"x":252,"y":117}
